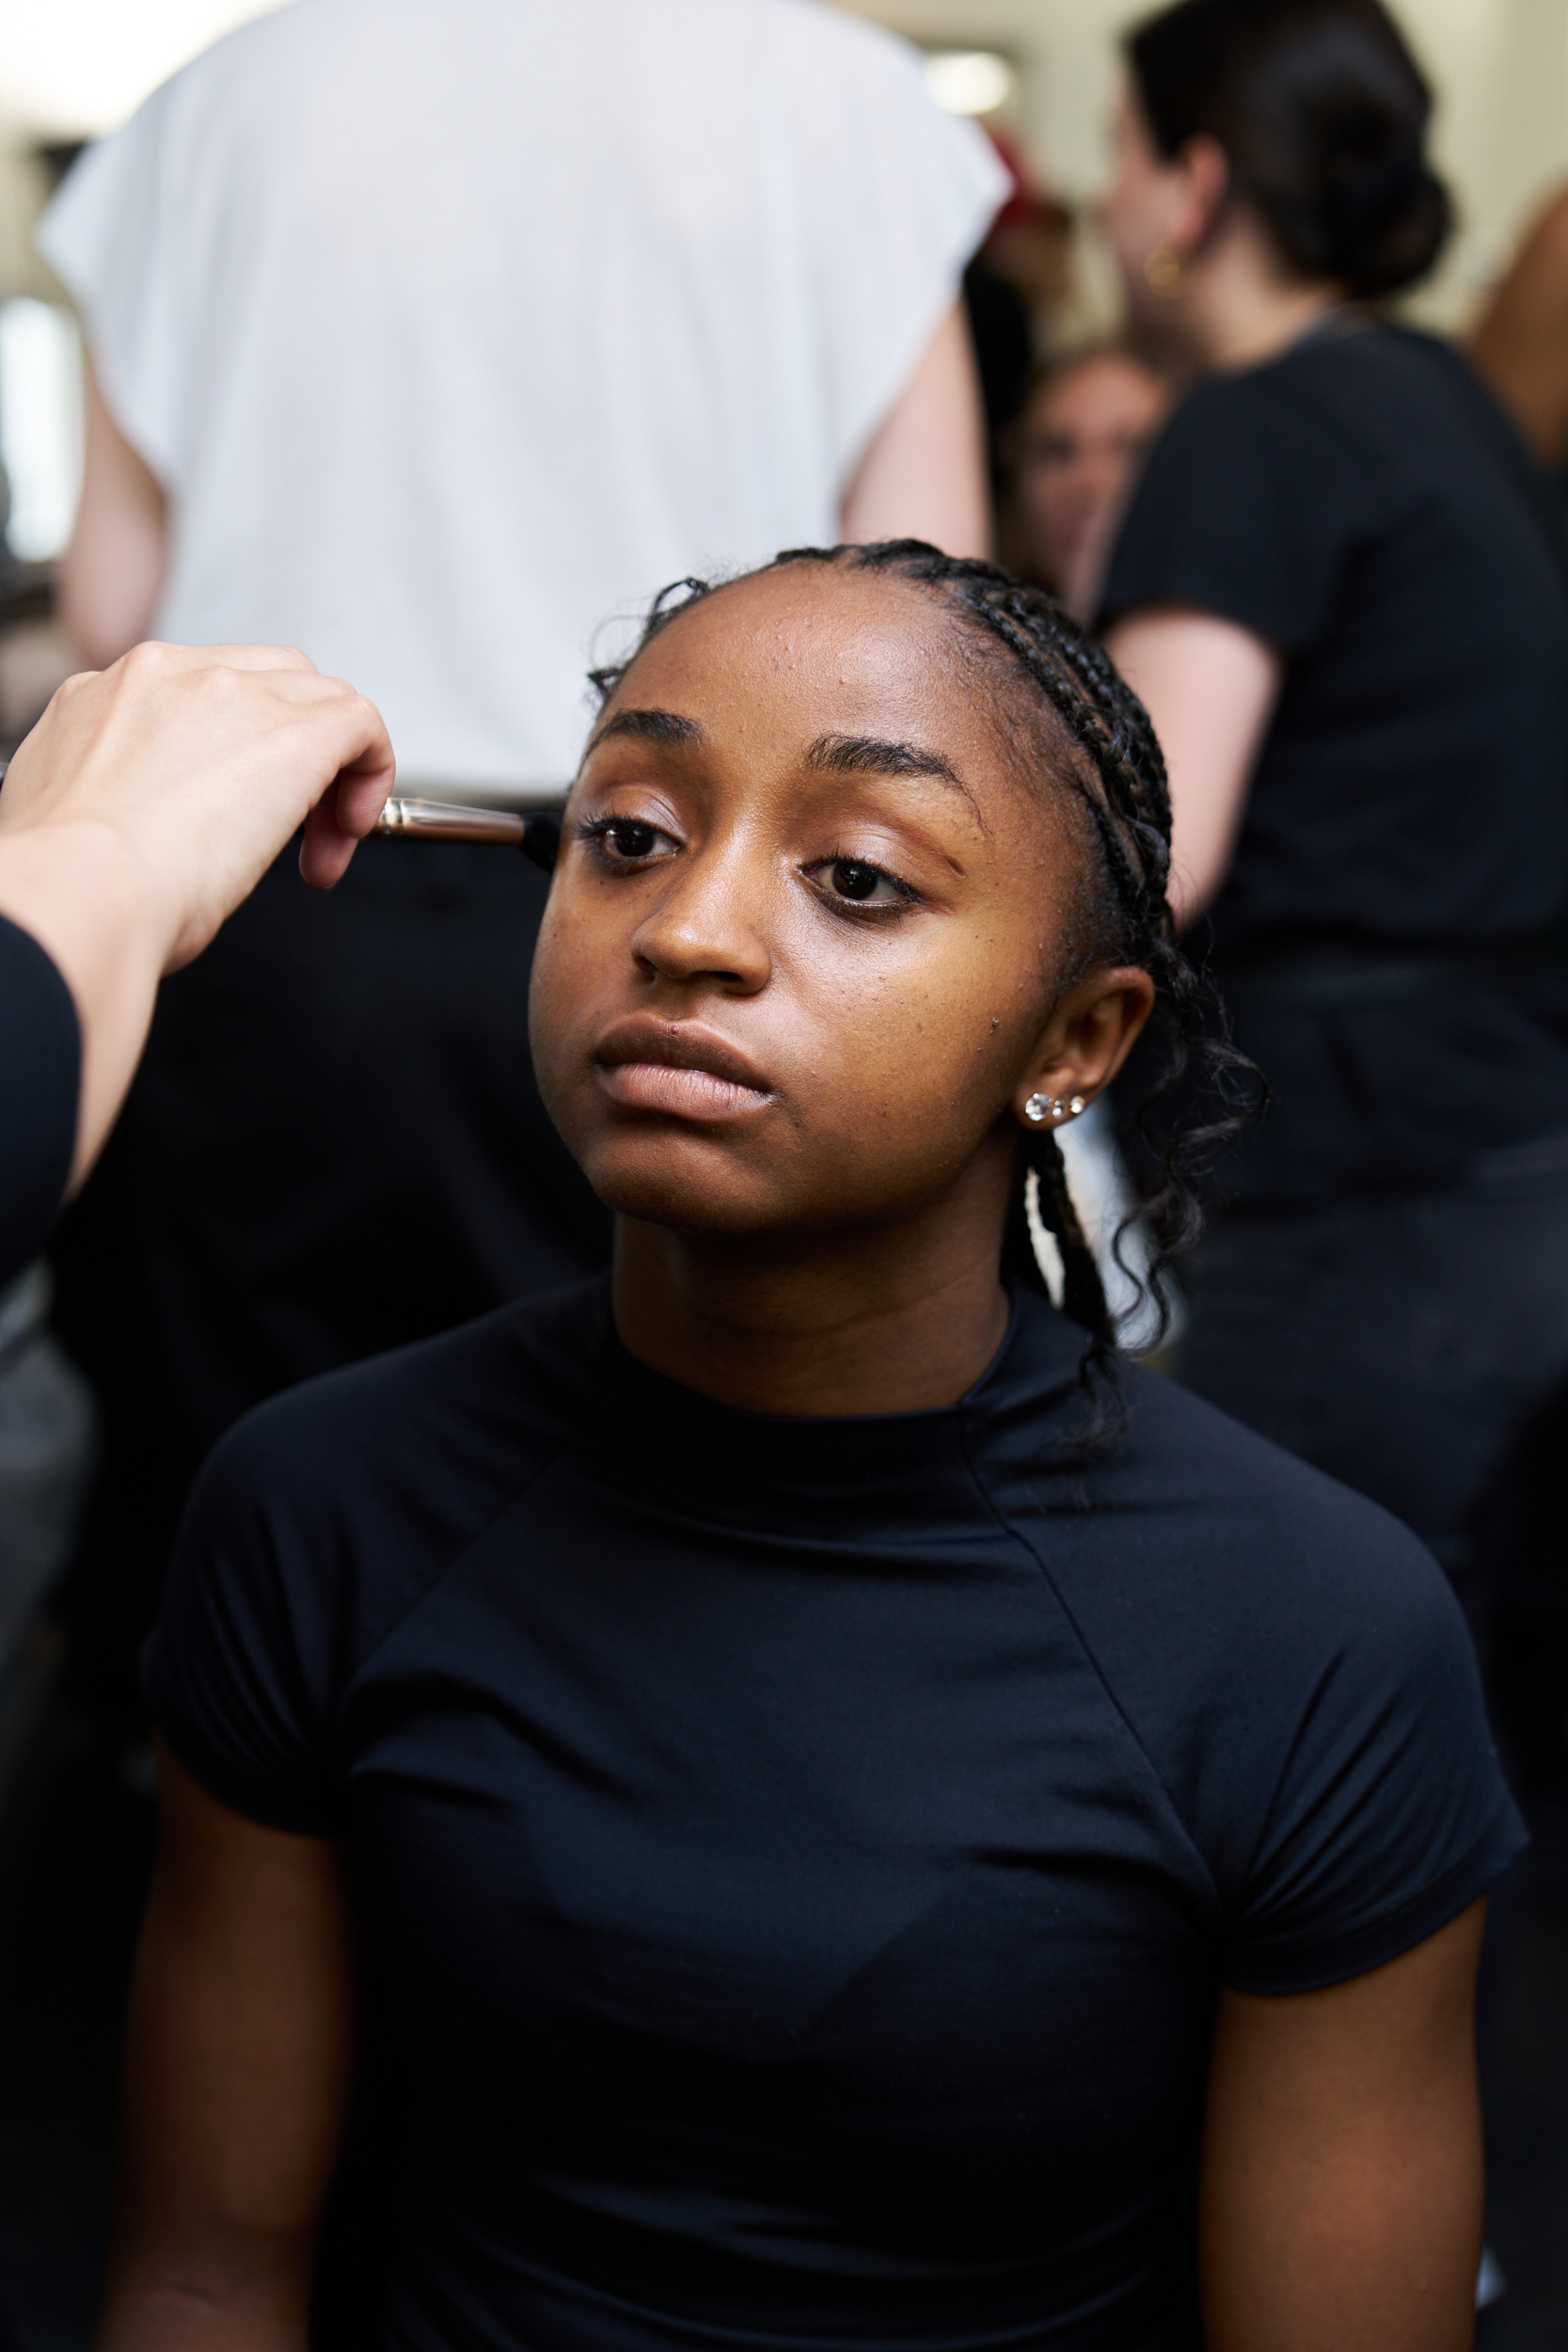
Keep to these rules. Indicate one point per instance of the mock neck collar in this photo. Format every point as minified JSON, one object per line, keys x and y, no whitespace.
{"x":836,"y":1473}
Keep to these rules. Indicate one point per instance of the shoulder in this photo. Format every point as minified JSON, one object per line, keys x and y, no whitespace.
{"x":818,"y":36}
{"x":1248,"y":501}
{"x":322,"y":1520}
{"x":460,"y":1421}
{"x":1293,"y":1665}
{"x":1220,"y":1538}
{"x":328,"y":1513}
{"x":1271,"y":418}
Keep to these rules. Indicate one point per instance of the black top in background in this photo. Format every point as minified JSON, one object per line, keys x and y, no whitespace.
{"x":795,"y":1860}
{"x":1362,"y":504}
{"x":41,"y":1070}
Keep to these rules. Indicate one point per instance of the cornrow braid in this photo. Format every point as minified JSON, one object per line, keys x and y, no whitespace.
{"x":1079,"y":704}
{"x":1083,"y":1292}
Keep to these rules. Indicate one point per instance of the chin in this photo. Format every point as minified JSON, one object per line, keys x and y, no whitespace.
{"x":690,"y":1184}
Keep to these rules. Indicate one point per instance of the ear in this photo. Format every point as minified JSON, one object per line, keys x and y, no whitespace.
{"x":1091,"y":1031}
{"x":1202,"y":190}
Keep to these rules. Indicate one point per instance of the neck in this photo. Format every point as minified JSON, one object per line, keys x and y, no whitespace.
{"x":891,"y":1320}
{"x":1241,"y":310}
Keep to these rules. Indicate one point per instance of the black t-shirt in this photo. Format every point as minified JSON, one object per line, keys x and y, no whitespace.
{"x":41,"y":1070}
{"x":1362,"y":504}
{"x":796,"y":1859}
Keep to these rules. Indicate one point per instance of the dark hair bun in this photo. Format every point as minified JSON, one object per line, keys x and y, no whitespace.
{"x":1322,"y":113}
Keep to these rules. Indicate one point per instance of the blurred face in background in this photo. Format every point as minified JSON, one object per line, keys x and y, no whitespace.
{"x":1080,"y":443}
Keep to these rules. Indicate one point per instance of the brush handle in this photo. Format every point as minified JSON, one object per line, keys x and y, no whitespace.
{"x":535,"y":829}
{"x":453,"y":820}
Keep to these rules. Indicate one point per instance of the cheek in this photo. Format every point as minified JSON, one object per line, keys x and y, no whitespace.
{"x":1131,"y":218}
{"x":567,"y":963}
{"x":906,"y":1069}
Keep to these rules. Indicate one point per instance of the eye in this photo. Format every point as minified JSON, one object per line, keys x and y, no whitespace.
{"x":854,"y":881}
{"x":622,"y":841}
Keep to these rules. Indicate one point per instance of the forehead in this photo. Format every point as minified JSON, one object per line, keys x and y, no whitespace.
{"x":817,"y":648}
{"x":1104,"y":384}
{"x":772,"y":664}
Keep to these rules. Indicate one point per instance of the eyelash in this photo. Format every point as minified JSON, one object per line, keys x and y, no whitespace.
{"x":596,"y":831}
{"x":862,"y":910}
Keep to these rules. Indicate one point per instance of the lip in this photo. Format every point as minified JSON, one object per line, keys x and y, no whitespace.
{"x":679,"y":1069}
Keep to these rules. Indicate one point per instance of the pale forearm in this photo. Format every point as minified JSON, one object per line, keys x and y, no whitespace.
{"x":112,"y":573}
{"x":1210,"y":688}
{"x":924,"y":475}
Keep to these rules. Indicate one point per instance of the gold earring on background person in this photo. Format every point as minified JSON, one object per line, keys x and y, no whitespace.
{"x":1165,"y":271}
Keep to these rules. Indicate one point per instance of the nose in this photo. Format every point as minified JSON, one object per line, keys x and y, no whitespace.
{"x":709,"y":922}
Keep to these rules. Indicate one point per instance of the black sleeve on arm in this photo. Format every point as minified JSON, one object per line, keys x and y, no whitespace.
{"x":238,"y":1670}
{"x":40,"y":1077}
{"x":1240,"y":511}
{"x":1389,"y":1814}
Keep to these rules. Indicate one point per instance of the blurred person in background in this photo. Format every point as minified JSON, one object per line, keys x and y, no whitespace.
{"x":1013,"y":289}
{"x":1340,"y":590}
{"x":423,"y":336}
{"x":1520,"y":341}
{"x":1085,"y":428}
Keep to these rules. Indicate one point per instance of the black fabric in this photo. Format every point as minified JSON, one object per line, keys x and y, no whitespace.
{"x":1362,"y":504}
{"x":40,"y":1076}
{"x":795,"y":1860}
{"x":335,"y":1146}
{"x":1000,"y":331}
{"x":1428,"y":1336}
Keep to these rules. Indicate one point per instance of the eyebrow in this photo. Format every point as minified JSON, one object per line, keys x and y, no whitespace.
{"x":870,"y":756}
{"x":830,"y":755}
{"x":650,"y":726}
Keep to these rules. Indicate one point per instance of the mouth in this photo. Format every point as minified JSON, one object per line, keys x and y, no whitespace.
{"x":678,"y":1070}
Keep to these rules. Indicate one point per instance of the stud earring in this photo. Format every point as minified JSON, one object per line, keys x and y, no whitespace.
{"x":1040,"y":1107}
{"x":1075,"y":1106}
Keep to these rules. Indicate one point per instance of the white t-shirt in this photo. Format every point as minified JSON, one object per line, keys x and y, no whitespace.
{"x":454,"y":328}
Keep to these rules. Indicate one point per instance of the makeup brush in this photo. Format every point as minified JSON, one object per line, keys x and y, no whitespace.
{"x":534,"y":829}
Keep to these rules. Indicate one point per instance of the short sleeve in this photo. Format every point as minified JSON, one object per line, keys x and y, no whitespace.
{"x":1242,"y":511}
{"x":237,"y":1669}
{"x":111,"y":237}
{"x":901,"y":195}
{"x":1389,"y":1814}
{"x":40,"y":1063}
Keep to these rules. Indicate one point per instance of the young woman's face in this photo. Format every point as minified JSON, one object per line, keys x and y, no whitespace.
{"x":800,"y":954}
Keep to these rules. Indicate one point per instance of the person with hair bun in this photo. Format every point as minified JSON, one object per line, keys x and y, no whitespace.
{"x":812,"y":1807}
{"x":1339,"y":590}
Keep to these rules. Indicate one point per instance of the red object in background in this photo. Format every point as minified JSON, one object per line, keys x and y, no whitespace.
{"x":1027,"y":206}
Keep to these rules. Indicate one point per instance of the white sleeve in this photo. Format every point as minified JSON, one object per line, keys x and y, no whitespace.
{"x":904,"y":195}
{"x":110,"y":236}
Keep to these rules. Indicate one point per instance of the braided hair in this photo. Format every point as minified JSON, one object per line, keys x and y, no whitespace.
{"x":1085,"y":729}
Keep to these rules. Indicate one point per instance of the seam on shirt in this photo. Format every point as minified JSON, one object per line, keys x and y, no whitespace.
{"x":1086,"y":1651}
{"x":401,"y":1619}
